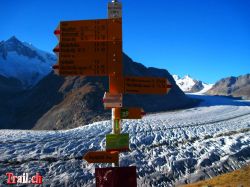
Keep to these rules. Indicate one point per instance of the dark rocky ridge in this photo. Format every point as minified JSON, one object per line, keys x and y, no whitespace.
{"x":10,"y":89}
{"x":66,"y":102}
{"x":232,"y":86}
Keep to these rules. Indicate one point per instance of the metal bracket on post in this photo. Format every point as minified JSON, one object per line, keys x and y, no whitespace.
{"x":114,"y":9}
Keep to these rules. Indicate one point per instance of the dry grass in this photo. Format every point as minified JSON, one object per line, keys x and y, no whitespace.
{"x":237,"y":178}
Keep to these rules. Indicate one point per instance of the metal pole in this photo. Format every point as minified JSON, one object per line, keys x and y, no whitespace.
{"x":116,"y":123}
{"x":116,"y":128}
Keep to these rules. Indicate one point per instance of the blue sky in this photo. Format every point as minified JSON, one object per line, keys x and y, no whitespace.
{"x":207,"y":39}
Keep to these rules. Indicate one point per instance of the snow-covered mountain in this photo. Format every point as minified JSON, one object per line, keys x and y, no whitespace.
{"x":191,"y":85}
{"x":168,"y":149}
{"x":24,"y":62}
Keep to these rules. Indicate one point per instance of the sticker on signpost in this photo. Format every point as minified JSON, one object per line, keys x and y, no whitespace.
{"x":117,"y":142}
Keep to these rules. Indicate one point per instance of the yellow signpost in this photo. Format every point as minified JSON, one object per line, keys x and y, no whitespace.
{"x":94,"y":48}
{"x":146,"y":85}
{"x":90,"y":30}
{"x":89,"y":58}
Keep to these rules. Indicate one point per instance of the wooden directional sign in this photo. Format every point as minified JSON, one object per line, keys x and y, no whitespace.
{"x":117,"y":142}
{"x":101,"y":157}
{"x":116,"y":177}
{"x":90,"y":30}
{"x":90,"y":58}
{"x":139,"y":85}
{"x":90,"y":47}
{"x":146,"y":85}
{"x":129,"y":113}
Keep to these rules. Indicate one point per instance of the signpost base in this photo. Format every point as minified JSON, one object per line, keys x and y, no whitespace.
{"x":116,"y":177}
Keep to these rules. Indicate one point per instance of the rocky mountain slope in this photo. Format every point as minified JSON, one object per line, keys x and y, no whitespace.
{"x":191,"y":85}
{"x":10,"y":88}
{"x":81,"y":101}
{"x":232,"y":86}
{"x":57,"y":102}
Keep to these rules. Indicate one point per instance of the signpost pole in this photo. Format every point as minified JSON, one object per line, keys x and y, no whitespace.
{"x":94,"y":48}
{"x":116,"y":128}
{"x":116,"y":123}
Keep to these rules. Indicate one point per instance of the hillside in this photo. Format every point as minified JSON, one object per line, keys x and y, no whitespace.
{"x":82,"y":98}
{"x":238,"y":178}
{"x":232,"y":86}
{"x":57,"y":102}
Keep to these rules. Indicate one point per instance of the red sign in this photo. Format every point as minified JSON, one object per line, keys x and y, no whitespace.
{"x":116,"y":177}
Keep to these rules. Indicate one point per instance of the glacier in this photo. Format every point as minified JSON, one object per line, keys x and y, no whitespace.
{"x":168,"y":148}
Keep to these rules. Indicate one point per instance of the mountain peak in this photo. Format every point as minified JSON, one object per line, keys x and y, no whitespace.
{"x":188,"y":77}
{"x":189,"y":84}
{"x":13,"y":44}
{"x":24,"y":62}
{"x":12,"y":39}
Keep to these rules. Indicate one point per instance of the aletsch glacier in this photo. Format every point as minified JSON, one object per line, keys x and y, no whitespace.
{"x":168,"y":148}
